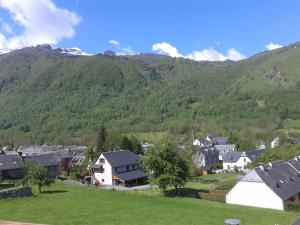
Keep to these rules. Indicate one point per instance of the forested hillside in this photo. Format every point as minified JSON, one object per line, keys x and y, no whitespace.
{"x":46,"y":96}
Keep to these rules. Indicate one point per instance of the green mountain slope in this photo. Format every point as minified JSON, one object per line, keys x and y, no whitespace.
{"x":48,"y":96}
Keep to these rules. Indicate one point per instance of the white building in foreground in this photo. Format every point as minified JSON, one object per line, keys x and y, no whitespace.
{"x":269,"y":186}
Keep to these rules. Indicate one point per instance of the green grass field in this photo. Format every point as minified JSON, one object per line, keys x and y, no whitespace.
{"x":66,"y":204}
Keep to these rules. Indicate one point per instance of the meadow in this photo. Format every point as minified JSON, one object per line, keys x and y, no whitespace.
{"x":67,"y":204}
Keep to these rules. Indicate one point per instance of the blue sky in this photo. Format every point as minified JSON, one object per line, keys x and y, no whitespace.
{"x":182,"y":28}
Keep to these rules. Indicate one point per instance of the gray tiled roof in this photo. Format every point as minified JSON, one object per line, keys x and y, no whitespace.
{"x":220,"y":140}
{"x":48,"y":159}
{"x":121,"y":158}
{"x":131,"y":175}
{"x":10,"y":162}
{"x":222,"y":149}
{"x":282,"y":177}
{"x":206,"y":150}
{"x":233,"y":157}
{"x":297,"y":222}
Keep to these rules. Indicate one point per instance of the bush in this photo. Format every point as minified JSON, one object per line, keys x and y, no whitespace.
{"x":293,"y":206}
{"x":218,"y":196}
{"x":228,"y":185}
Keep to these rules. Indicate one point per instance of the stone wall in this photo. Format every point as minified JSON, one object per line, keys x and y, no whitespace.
{"x":16,"y":192}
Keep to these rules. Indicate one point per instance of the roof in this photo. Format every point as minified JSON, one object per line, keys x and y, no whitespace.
{"x":48,"y":159}
{"x":206,"y":150}
{"x":131,"y":175}
{"x":297,"y":222}
{"x":233,"y":157}
{"x":10,"y":162}
{"x":254,"y":154}
{"x":225,"y":148}
{"x":282,"y":177}
{"x":121,"y":158}
{"x":220,"y":140}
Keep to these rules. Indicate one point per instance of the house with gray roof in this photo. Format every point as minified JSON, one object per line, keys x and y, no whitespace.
{"x":118,"y":168}
{"x":272,"y":186}
{"x":205,"y":157}
{"x":11,"y":166}
{"x":238,"y":160}
{"x":224,"y":149}
{"x":50,"y":161}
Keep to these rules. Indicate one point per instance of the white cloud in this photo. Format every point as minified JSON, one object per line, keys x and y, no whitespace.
{"x":41,"y":20}
{"x":209,"y":54}
{"x":272,"y":46}
{"x":6,"y":28}
{"x":234,"y":55}
{"x":114,"y":42}
{"x":126,"y":51}
{"x":166,"y":49}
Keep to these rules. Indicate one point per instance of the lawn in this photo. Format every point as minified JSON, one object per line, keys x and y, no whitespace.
{"x":66,"y":204}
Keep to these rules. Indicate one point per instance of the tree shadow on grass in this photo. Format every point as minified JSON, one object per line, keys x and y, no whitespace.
{"x":184,"y":192}
{"x":54,"y":192}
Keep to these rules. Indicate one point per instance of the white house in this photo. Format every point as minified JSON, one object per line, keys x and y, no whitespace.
{"x":118,"y":168}
{"x":269,"y":186}
{"x":238,"y":160}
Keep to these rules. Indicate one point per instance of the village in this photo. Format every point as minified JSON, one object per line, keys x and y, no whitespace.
{"x":274,"y":185}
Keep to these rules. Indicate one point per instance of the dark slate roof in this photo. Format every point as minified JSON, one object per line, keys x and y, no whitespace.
{"x":48,"y":159}
{"x":282,"y":177}
{"x":254,"y":154}
{"x":64,"y":154}
{"x":220,"y":140}
{"x":10,"y":162}
{"x":206,"y":150}
{"x":131,"y":175}
{"x":233,"y":157}
{"x":121,"y":158}
{"x":297,"y":222}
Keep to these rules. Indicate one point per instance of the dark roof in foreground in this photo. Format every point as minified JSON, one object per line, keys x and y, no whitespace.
{"x":282,"y":177}
{"x":297,"y":222}
{"x":10,"y":162}
{"x":131,"y":175}
{"x":121,"y":158}
{"x":49,"y":159}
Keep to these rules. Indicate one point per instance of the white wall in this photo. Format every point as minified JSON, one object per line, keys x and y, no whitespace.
{"x":106,"y":175}
{"x":256,"y":194}
{"x":240,"y":164}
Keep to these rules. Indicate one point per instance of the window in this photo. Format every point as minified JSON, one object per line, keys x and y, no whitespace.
{"x":116,"y":169}
{"x":133,"y":167}
{"x":127,"y":167}
{"x":102,"y":161}
{"x":102,"y":180}
{"x":244,"y":159}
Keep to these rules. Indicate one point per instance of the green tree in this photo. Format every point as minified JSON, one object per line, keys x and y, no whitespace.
{"x":89,"y":153}
{"x":233,"y":139}
{"x":165,"y":166}
{"x":37,"y":175}
{"x":101,"y":139}
{"x":126,"y":143}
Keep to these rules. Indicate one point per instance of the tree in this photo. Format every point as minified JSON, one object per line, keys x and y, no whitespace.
{"x":233,"y":139}
{"x":101,"y":139}
{"x":166,"y":166}
{"x":37,"y":175}
{"x":126,"y":143}
{"x":89,"y":153}
{"x":131,"y":144}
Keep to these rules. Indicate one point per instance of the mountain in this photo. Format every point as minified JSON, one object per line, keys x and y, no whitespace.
{"x":60,"y":98}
